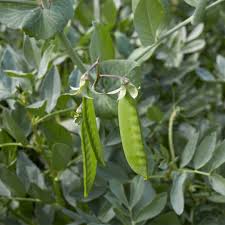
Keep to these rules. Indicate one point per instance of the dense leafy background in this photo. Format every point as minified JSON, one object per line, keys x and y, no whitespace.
{"x":40,"y":157}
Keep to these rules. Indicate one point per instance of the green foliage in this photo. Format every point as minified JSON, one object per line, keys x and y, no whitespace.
{"x":112,"y":112}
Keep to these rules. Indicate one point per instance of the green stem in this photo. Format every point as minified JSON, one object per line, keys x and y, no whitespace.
{"x":156,"y":177}
{"x":195,"y":171}
{"x":170,"y":133}
{"x":174,"y":29}
{"x":97,"y":10}
{"x":49,"y":116}
{"x":17,"y":145}
{"x":21,"y":199}
{"x":57,"y":190}
{"x":45,"y":3}
{"x":73,"y":55}
{"x":24,"y":2}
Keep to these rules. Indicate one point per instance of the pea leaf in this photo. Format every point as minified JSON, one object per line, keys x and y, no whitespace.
{"x":4,"y":191}
{"x":61,"y":155}
{"x":153,"y":209}
{"x":136,"y":190}
{"x":218,"y":183}
{"x":34,"y":20}
{"x":205,"y":151}
{"x":13,"y":127}
{"x":164,"y":218}
{"x":12,"y":182}
{"x":177,"y":193}
{"x":218,"y":157}
{"x":149,"y":17}
{"x":189,"y":150}
{"x":28,"y":172}
{"x":101,"y":44}
{"x":51,"y":88}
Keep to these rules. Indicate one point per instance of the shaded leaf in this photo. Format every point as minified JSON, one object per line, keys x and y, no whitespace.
{"x":177,"y":193}
{"x":218,"y":183}
{"x":189,"y":150}
{"x":61,"y":155}
{"x":153,"y":209}
{"x":51,"y":89}
{"x":205,"y":151}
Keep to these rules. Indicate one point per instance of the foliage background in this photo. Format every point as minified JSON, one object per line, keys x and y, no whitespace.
{"x":40,"y":156}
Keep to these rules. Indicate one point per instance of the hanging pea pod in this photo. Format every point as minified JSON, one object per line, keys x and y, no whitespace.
{"x":89,"y":160}
{"x":131,"y":135}
{"x":89,"y":118}
{"x":199,"y":12}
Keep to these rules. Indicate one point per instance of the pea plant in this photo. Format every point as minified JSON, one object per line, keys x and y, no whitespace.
{"x":112,"y":112}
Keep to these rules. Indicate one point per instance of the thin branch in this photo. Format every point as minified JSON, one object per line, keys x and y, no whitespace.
{"x":49,"y":116}
{"x":24,"y":2}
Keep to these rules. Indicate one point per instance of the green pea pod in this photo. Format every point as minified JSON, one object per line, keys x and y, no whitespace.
{"x":89,"y":119}
{"x":131,"y":135}
{"x":89,"y":160}
{"x":199,"y":12}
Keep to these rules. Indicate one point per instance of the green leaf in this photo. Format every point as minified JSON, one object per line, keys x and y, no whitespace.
{"x":136,"y":190}
{"x":218,"y":157}
{"x":154,"y":114}
{"x":101,"y":44}
{"x":205,"y":75}
{"x":31,"y":51}
{"x":192,"y":2}
{"x":56,"y":133}
{"x":149,"y":18}
{"x":123,"y":68}
{"x":205,"y":151}
{"x":61,"y":155}
{"x":28,"y":172}
{"x":105,"y":106}
{"x":199,"y":12}
{"x":12,"y":182}
{"x":46,"y":196}
{"x":177,"y":192}
{"x":51,"y":89}
{"x":46,"y":58}
{"x":117,"y":189}
{"x":218,"y":183}
{"x":142,"y":54}
{"x":134,"y":4}
{"x":164,"y":218}
{"x":108,"y":12}
{"x":4,"y":191}
{"x":153,"y":209}
{"x":189,"y":150}
{"x":13,"y":127}
{"x":34,"y":20}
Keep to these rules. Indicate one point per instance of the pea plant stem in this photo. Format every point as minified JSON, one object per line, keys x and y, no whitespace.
{"x":97,"y":10}
{"x":72,"y":54}
{"x":49,"y":116}
{"x":195,"y":171}
{"x":174,"y":29}
{"x":170,"y":133}
{"x":16,"y":145}
{"x":24,"y":2}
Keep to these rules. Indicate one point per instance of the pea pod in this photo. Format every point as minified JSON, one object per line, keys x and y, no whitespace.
{"x":131,"y":135}
{"x":89,"y":118}
{"x":199,"y":12}
{"x":89,"y":160}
